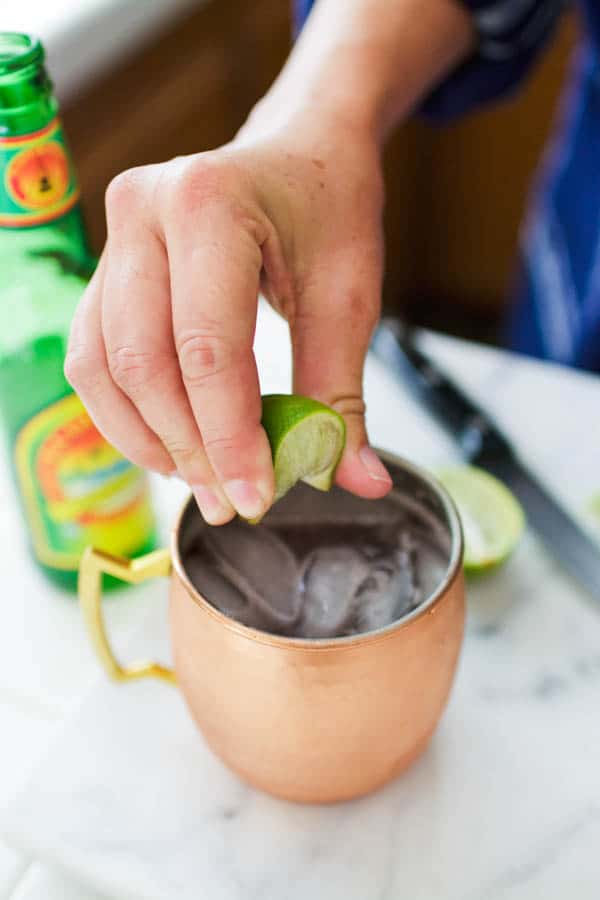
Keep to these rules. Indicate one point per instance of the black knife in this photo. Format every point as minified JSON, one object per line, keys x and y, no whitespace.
{"x":483,"y":444}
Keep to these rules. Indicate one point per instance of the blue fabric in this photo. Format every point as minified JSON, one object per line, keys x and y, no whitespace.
{"x":556,"y":309}
{"x":301,"y":10}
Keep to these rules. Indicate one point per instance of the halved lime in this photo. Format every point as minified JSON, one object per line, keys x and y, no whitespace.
{"x":492,"y":517}
{"x":307,"y":440}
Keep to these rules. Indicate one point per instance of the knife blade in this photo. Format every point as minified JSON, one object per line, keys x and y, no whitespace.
{"x":483,"y":444}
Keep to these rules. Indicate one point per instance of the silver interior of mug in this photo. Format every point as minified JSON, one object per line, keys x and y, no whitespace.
{"x":418,"y":493}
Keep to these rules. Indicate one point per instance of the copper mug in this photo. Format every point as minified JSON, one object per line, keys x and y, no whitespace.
{"x":312,"y":721}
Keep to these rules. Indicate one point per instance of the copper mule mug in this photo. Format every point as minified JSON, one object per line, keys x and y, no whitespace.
{"x":312,"y":721}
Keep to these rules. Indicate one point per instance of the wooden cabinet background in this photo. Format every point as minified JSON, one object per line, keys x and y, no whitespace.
{"x":455,"y":194}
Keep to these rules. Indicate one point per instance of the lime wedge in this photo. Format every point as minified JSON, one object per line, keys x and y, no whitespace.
{"x":593,"y":515}
{"x":492,"y":517}
{"x":595,"y":508}
{"x":307,"y":440}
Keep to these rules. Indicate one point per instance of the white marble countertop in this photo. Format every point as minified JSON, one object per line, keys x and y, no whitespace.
{"x":85,"y":37}
{"x":106,"y":791}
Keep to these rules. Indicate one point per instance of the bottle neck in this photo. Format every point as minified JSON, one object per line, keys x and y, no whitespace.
{"x":27,"y":103}
{"x":38,"y":185}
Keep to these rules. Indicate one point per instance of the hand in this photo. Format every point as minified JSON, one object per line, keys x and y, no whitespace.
{"x":161,"y":344}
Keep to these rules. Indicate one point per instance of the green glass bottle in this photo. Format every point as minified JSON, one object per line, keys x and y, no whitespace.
{"x":75,"y":489}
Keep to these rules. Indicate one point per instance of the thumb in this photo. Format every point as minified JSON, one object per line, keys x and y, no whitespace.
{"x":330,"y":341}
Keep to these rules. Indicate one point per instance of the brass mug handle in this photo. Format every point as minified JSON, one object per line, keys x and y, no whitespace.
{"x":93,"y":564}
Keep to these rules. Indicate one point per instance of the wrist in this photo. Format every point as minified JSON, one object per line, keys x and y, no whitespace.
{"x":366,"y":63}
{"x":310,"y":118}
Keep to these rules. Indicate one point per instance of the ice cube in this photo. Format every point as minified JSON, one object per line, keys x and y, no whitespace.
{"x":332,"y":578}
{"x":215,"y":588}
{"x":390,"y":590}
{"x":262,"y":568}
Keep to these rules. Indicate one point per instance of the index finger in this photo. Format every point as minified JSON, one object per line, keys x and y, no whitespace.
{"x":215,"y":270}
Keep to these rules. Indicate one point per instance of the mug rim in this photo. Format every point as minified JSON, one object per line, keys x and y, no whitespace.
{"x":453,"y":569}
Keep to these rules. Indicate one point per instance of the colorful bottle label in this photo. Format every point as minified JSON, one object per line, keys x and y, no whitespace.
{"x":39,"y":182}
{"x":77,"y":489}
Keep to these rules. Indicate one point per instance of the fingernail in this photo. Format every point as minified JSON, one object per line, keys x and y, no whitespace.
{"x":246,"y":498}
{"x":214,"y":510}
{"x":376,"y":469}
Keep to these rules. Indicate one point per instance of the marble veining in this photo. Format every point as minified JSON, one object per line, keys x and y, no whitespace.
{"x":546,"y":856}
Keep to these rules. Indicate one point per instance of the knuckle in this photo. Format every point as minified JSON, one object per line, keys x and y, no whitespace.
{"x":196,"y":183}
{"x":202,"y":356}
{"x":206,"y":181}
{"x":153,"y":458}
{"x":122,"y":194}
{"x":81,"y":370}
{"x":131,"y":369}
{"x":224,"y":444}
{"x":188,"y":457}
{"x":178,"y":448}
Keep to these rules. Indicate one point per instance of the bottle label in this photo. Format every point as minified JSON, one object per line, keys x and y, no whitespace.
{"x":38,"y":182}
{"x":77,"y":489}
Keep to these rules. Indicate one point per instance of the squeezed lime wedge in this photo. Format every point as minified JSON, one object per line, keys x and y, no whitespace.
{"x":307,"y":440}
{"x":492,"y":518}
